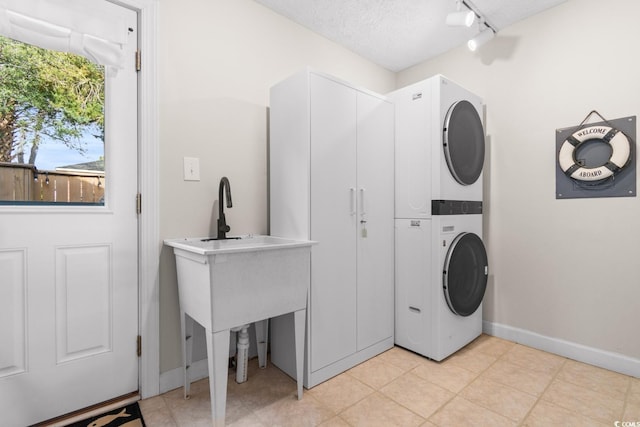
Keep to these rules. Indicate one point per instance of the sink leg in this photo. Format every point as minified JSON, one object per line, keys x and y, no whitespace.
{"x":262,"y":338}
{"x":186,"y":327}
{"x":217,"y":358}
{"x":299,"y":323}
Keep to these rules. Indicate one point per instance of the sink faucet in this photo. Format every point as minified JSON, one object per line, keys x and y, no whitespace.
{"x":223,"y":228}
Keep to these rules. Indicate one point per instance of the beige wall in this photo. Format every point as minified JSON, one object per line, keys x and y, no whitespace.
{"x":217,"y":61}
{"x":567,"y":269}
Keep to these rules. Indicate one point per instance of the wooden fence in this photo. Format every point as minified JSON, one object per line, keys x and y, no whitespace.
{"x":24,"y":183}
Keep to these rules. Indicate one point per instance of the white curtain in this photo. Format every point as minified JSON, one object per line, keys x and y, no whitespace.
{"x":91,"y":28}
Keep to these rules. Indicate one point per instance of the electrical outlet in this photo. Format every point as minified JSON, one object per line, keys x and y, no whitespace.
{"x":191,"y":169}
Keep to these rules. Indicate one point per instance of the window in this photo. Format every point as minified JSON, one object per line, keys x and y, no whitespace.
{"x":52,"y":98}
{"x":51,"y":126}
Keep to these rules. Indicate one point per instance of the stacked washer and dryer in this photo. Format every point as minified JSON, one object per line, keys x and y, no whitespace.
{"x":441,"y":261}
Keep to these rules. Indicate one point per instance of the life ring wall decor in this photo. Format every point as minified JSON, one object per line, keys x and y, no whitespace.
{"x":620,"y":153}
{"x":596,"y":159}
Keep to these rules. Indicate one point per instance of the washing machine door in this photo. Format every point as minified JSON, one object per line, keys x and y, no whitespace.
{"x":465,"y":274}
{"x":463,"y":142}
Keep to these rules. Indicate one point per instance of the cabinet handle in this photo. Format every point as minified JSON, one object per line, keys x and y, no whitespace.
{"x":363,"y":210}
{"x":352,"y":192}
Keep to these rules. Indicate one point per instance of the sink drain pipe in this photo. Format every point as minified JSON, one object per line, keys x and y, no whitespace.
{"x":242,"y":353}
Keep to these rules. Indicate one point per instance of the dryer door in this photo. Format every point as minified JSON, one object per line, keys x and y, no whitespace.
{"x":463,"y":142}
{"x":465,"y":274}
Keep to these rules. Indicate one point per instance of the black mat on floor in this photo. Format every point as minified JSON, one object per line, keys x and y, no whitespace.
{"x":129,"y":416}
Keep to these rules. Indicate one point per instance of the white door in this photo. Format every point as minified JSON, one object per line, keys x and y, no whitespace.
{"x":333,"y":221}
{"x":69,"y":281}
{"x":375,"y":220}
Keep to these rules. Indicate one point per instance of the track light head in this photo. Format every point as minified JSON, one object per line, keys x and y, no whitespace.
{"x":461,"y":18}
{"x":480,"y":39}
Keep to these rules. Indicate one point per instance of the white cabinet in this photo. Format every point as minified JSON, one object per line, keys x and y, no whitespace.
{"x":331,"y":180}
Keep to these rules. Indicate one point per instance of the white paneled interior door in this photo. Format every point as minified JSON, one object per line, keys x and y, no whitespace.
{"x":69,"y":280}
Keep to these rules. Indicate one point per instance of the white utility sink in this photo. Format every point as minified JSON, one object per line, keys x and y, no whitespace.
{"x":250,"y":243}
{"x":223,"y":284}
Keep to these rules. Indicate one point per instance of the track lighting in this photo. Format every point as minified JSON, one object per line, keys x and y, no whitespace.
{"x":466,"y":18}
{"x":461,"y":18}
{"x":482,"y":37}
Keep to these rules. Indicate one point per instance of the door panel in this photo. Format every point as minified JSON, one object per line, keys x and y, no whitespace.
{"x":83,"y":274}
{"x":69,"y":321}
{"x":375,"y":220}
{"x":13,"y":312}
{"x":333,"y":187}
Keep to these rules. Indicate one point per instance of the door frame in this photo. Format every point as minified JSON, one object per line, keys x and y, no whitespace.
{"x":149,"y":244}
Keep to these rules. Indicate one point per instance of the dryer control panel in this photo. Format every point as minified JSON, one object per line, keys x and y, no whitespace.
{"x":456,"y":207}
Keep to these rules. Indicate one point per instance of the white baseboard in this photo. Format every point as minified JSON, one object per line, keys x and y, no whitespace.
{"x":593,"y":356}
{"x":173,"y":379}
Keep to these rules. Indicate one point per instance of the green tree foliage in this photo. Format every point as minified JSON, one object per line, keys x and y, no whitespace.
{"x":46,"y":93}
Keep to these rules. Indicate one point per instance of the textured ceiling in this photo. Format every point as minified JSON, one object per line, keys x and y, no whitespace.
{"x":397,"y":34}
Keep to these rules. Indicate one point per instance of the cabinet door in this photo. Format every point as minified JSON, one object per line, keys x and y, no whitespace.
{"x":333,"y":221}
{"x":375,"y":296}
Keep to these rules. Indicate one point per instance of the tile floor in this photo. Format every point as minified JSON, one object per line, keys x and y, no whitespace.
{"x":491,"y":382}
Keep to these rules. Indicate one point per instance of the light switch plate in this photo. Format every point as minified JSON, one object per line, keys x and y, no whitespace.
{"x":191,"y":169}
